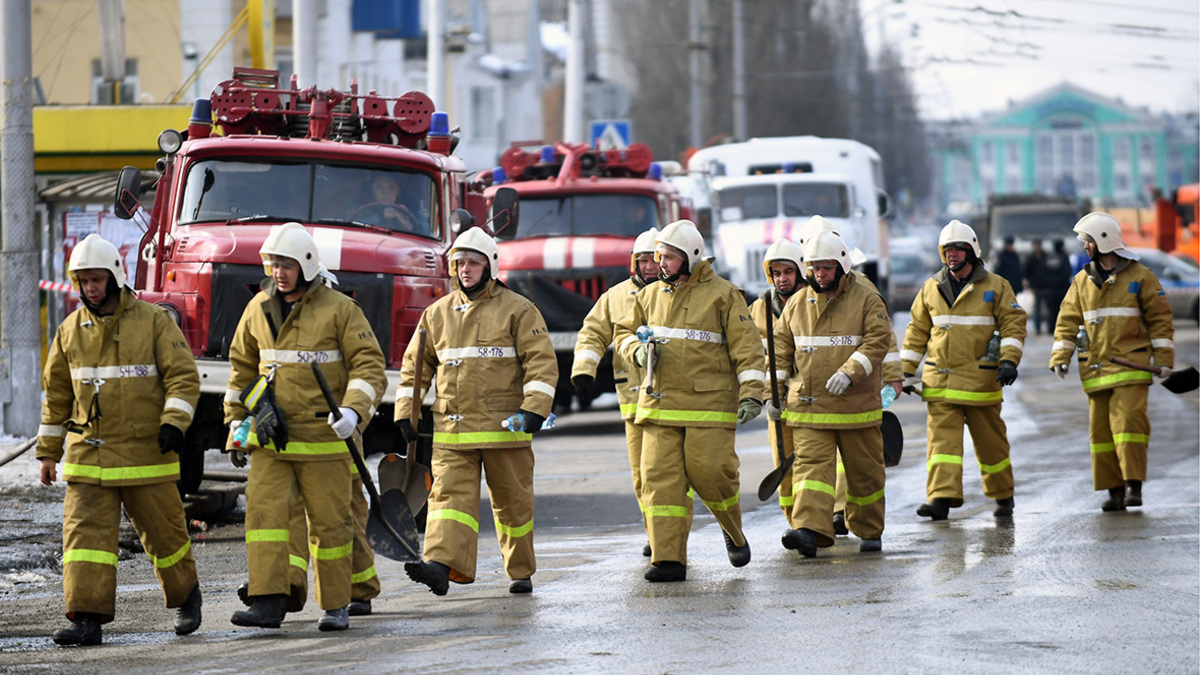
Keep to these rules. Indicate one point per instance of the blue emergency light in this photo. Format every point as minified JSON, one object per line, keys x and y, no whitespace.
{"x":439,"y":124}
{"x":499,"y":176}
{"x":547,"y":154}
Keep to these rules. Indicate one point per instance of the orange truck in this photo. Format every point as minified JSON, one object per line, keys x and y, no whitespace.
{"x":1169,"y":225}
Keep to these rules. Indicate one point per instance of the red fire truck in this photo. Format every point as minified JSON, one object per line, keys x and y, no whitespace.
{"x":371,"y":177}
{"x":581,"y":210}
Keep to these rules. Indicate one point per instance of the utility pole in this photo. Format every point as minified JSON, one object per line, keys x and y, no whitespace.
{"x":304,"y":42}
{"x":573,"y":88}
{"x":696,"y":48}
{"x":739,"y":71}
{"x":435,"y":55}
{"x":20,"y":324}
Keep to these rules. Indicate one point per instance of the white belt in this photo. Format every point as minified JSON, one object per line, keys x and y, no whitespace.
{"x":109,"y":372}
{"x":299,"y":356}
{"x":481,"y":352}
{"x":688,"y":334}
{"x":827,"y":340}
{"x":1091,"y":314}
{"x":944,"y":320}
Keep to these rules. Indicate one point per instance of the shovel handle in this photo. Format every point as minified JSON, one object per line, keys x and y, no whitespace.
{"x":1136,"y":366}
{"x":410,"y":457}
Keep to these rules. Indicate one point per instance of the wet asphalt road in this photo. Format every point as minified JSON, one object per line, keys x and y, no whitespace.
{"x":1060,"y":587}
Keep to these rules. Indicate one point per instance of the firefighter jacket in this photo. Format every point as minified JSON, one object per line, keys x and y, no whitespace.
{"x":492,"y":356}
{"x":596,"y":336}
{"x":817,"y":337}
{"x":111,"y":382}
{"x":1126,"y":315}
{"x":326,"y":327}
{"x":710,"y":356}
{"x":953,"y":333}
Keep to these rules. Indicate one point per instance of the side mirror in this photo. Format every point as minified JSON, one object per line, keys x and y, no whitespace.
{"x":505,"y":209}
{"x":885,"y":204}
{"x":129,"y":185}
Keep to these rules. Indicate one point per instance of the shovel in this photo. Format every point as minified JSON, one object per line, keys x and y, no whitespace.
{"x":410,"y":478}
{"x":770,"y":484}
{"x":893,"y":438}
{"x":1180,"y":382}
{"x":391,"y":529}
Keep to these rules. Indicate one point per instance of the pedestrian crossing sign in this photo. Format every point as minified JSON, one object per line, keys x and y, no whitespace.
{"x":611,"y":134}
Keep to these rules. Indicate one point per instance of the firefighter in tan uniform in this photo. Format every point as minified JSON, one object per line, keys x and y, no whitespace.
{"x":297,"y":448}
{"x":831,"y":341}
{"x":893,"y":376}
{"x":782,"y":264}
{"x":491,"y":351}
{"x":595,"y":338}
{"x":121,"y":388}
{"x":1124,"y":312}
{"x":707,"y":378}
{"x":959,"y":318}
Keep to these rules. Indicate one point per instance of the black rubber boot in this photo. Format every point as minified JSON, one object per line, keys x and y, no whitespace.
{"x":84,"y":630}
{"x":739,"y":556}
{"x":296,"y":597}
{"x":668,"y":570}
{"x":647,"y":551}
{"x":1133,"y":493}
{"x":1115,"y":501}
{"x":870,"y":546}
{"x":1004,"y":508}
{"x":839,"y":523}
{"x":937,"y":508}
{"x":520,"y":586}
{"x":433,"y":574}
{"x":187,"y":615}
{"x":803,"y":540}
{"x":266,"y":611}
{"x":359,"y":608}
{"x":334,"y":619}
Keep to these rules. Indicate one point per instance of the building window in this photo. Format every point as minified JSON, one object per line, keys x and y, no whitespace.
{"x":1087,"y":149}
{"x":483,"y":113}
{"x":985,"y":152}
{"x":1121,"y":149}
{"x":104,"y":94}
{"x":1066,"y":149}
{"x":1045,"y":152}
{"x":989,"y":186}
{"x":1121,"y":184}
{"x":1147,"y":149}
{"x":1087,"y":180}
{"x":1014,"y":183}
{"x":1014,"y":152}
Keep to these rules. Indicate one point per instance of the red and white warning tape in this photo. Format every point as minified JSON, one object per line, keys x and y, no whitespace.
{"x":57,"y":286}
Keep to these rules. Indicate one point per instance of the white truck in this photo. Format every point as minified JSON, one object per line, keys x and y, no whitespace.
{"x":767,"y":188}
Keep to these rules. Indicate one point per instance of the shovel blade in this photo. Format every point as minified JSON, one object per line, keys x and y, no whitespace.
{"x":415,"y":486}
{"x":773,"y":480}
{"x":893,"y":438}
{"x":393,"y":510}
{"x":1182,"y":382}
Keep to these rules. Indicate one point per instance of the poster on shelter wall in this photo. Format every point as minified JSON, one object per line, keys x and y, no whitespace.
{"x":126,"y":235}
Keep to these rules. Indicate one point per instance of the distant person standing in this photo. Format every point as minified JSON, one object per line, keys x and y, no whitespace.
{"x":1056,"y":271}
{"x":1008,"y":265}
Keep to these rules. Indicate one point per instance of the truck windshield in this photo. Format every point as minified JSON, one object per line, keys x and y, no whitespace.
{"x":816,"y":199}
{"x":233,"y":192}
{"x":582,"y":215}
{"x":1034,"y":224}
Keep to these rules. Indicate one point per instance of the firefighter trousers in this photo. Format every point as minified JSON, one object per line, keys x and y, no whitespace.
{"x":676,"y":460}
{"x":452,"y":520}
{"x":272,"y":491}
{"x":1120,"y":431}
{"x":364,"y":582}
{"x":786,"y":500}
{"x":945,"y":454}
{"x":814,"y":474}
{"x":91,"y":521}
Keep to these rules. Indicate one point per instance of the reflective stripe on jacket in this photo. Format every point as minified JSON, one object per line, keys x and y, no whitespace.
{"x":954,"y":337}
{"x":817,"y":337}
{"x":1127,"y":315}
{"x":139,"y":368}
{"x":492,"y":356}
{"x":596,"y":336}
{"x":712,"y":356}
{"x":324,"y":326}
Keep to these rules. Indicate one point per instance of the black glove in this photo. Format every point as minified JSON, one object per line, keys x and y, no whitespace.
{"x":170,"y":439}
{"x":533,"y":421}
{"x":268,"y":424}
{"x":585,"y":386}
{"x":1006,"y":374}
{"x":407,"y":431}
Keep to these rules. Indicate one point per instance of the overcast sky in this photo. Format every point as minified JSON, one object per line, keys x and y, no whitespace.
{"x":974,"y":56}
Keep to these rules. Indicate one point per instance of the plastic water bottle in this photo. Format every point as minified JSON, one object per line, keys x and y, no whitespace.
{"x":887,"y":394}
{"x":242,"y":433}
{"x":516,"y":422}
{"x":993,"y":347}
{"x":644,"y":334}
{"x":1081,"y":340}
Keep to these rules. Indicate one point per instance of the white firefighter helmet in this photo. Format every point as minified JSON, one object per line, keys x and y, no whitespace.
{"x":783,"y":250}
{"x":643,"y":244}
{"x":683,"y":235}
{"x":958,"y":232}
{"x":478,"y":241}
{"x":95,"y":253}
{"x":827,"y":246}
{"x":813,"y":226}
{"x":1106,"y":232}
{"x":291,"y":240}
